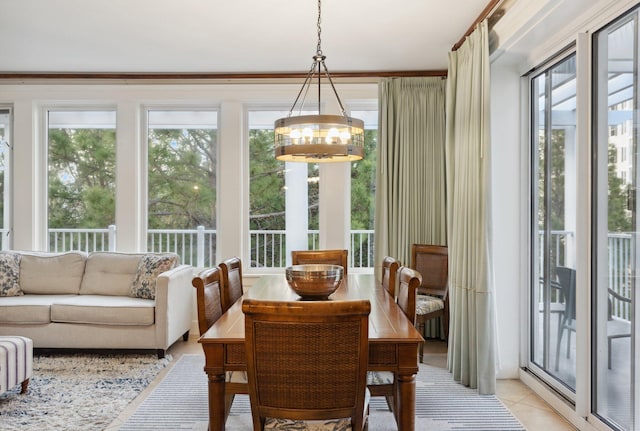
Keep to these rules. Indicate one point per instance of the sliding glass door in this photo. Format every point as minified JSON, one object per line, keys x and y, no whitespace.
{"x":553,"y":215}
{"x":615,"y":245}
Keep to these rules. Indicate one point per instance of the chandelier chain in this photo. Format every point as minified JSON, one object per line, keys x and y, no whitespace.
{"x":319,"y":48}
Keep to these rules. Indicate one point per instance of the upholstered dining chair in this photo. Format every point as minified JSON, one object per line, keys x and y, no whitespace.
{"x":232,"y":288}
{"x":432,"y":262}
{"x":209,"y":307}
{"x":328,"y":257}
{"x":383,"y":383}
{"x":307,"y":361}
{"x":389,"y":273}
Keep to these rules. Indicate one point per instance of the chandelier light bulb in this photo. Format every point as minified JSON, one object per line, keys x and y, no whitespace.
{"x":332,"y":136}
{"x":295,"y":136}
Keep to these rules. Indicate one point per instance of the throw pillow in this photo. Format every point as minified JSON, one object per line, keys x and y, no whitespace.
{"x":10,"y":274}
{"x":149,"y":268}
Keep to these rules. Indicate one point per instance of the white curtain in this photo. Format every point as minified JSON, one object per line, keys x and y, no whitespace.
{"x":471,"y":352}
{"x":410,"y":183}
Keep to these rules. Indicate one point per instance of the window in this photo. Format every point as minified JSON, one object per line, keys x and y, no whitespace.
{"x":283,"y":198}
{"x":182,"y":181}
{"x":5,"y":148}
{"x":363,"y":183}
{"x":81,"y":179}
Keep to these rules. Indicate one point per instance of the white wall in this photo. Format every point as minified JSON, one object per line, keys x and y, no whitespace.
{"x":506,"y":188}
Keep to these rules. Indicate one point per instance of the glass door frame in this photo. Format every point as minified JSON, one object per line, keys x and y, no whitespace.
{"x":542,"y":373}
{"x":600,"y":246}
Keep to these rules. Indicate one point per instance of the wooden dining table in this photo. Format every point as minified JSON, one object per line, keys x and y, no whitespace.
{"x":393,"y":342}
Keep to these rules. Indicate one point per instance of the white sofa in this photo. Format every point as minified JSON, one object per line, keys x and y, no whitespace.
{"x":101,"y":300}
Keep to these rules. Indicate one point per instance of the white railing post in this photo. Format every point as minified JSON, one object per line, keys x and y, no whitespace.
{"x":200,"y":246}
{"x":112,"y":237}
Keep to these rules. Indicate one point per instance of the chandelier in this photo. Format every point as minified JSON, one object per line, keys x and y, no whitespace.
{"x":318,"y":138}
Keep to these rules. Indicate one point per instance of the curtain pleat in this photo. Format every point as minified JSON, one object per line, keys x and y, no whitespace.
{"x":471,"y":352}
{"x":410,"y":184}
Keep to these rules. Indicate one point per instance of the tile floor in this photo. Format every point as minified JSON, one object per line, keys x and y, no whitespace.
{"x":529,"y":408}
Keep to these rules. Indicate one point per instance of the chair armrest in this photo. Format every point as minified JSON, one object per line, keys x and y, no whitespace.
{"x":619,"y":297}
{"x":174,"y":304}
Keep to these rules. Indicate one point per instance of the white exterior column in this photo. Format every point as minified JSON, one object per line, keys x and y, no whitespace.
{"x":231,"y":216}
{"x":29,"y":226}
{"x":335,"y":196}
{"x":335,"y":205}
{"x":296,"y":204}
{"x":131,"y":191}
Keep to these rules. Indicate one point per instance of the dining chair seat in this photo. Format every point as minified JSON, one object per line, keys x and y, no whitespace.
{"x":313,"y":425}
{"x":236,"y":377}
{"x":379,"y":378}
{"x":426,"y":304}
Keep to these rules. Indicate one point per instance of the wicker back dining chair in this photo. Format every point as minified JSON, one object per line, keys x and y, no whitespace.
{"x":208,"y":284}
{"x":389,"y":273}
{"x":208,"y":301}
{"x":328,"y":257}
{"x":383,"y":383}
{"x":232,"y":288}
{"x":409,"y":281}
{"x":432,"y":262}
{"x":307,"y":361}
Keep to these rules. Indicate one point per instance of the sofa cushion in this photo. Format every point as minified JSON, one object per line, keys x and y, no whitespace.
{"x":10,"y":274}
{"x":28,"y":309}
{"x":109,"y":273}
{"x":104,"y":310}
{"x":150,"y":267}
{"x":51,"y":273}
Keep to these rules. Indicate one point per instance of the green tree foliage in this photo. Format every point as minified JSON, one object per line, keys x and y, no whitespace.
{"x":619,"y":217}
{"x":182,"y":178}
{"x":266,"y":190}
{"x":363,"y":184}
{"x":557,"y":196}
{"x":3,"y":167}
{"x":81,"y":178}
{"x":313,"y":195}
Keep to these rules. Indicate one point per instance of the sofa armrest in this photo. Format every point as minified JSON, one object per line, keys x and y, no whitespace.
{"x":174,"y":303}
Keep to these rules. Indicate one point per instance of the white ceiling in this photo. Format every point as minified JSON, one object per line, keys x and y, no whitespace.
{"x":229,"y":36}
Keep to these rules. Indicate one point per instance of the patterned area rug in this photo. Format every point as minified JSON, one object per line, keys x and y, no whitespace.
{"x":78,"y":391}
{"x":179,"y":402}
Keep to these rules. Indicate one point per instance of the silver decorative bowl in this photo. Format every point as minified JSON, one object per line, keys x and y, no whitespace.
{"x":314,"y":281}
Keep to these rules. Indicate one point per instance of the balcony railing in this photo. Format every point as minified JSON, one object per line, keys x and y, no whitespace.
{"x":197,"y":247}
{"x":620,"y":265}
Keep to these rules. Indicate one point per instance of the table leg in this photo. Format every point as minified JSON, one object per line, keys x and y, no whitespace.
{"x":216,"y":402}
{"x":406,"y":402}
